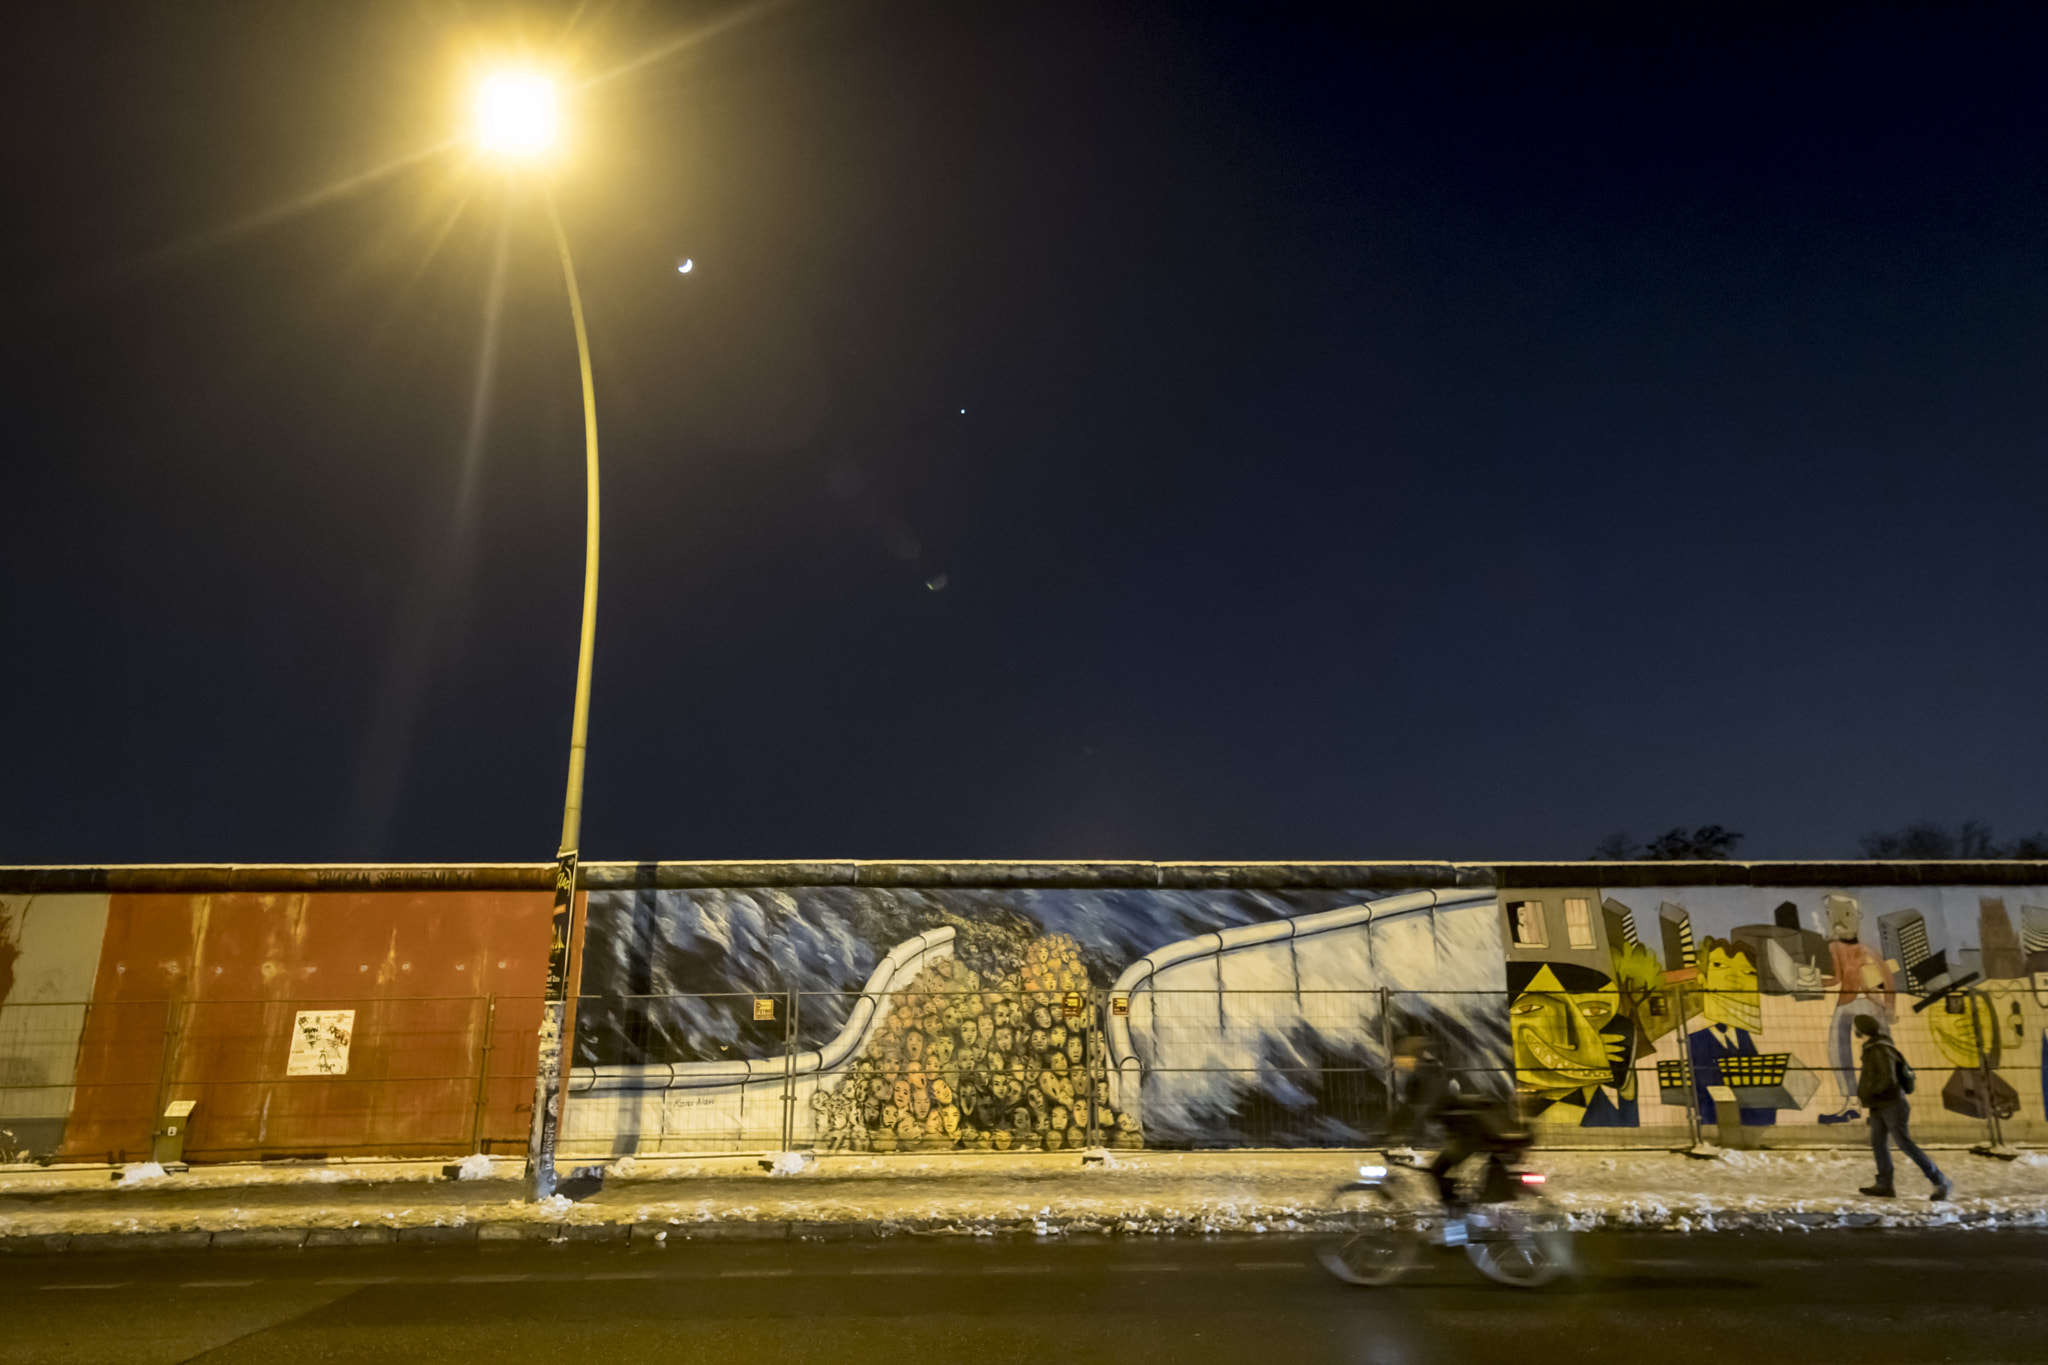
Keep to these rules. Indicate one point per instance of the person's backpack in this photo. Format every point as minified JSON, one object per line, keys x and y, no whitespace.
{"x":1904,"y":1070}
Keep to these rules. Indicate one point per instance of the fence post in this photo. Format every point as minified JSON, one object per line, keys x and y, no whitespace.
{"x":166,"y":1068}
{"x":1098,"y":1015}
{"x":1994,"y":1144}
{"x":1387,"y":1053}
{"x":789,"y":1075}
{"x":1692,"y":1096}
{"x":483,"y":1074}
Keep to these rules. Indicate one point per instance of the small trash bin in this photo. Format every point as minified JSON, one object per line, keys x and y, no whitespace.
{"x":167,"y":1145}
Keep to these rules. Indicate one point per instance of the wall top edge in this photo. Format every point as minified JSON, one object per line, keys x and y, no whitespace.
{"x":198,"y":878}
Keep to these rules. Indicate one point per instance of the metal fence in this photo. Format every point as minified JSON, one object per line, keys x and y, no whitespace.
{"x":949,"y":1065}
{"x":949,"y":1068}
{"x":267,"y":1079}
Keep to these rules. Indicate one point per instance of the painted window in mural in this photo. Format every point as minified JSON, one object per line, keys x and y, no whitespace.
{"x":1578,"y":921}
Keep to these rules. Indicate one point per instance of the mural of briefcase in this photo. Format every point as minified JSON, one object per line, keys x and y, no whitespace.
{"x":1772,"y":1081}
{"x":1964,"y":1094}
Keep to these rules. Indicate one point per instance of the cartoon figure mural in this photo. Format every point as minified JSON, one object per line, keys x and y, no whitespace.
{"x":1863,"y":984}
{"x":1573,"y":1045}
{"x":1724,"y":1051}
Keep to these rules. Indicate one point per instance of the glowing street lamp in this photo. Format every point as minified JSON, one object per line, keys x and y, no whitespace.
{"x":516,"y":113}
{"x":516,"y":121}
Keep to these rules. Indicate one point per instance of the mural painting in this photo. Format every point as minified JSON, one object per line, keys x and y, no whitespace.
{"x":1625,"y":999}
{"x":884,"y":1019}
{"x":991,"y":1020}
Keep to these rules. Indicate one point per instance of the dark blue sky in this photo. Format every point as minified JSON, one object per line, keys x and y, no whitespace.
{"x":1435,"y":434}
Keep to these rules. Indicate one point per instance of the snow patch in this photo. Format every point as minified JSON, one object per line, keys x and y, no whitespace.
{"x":476,"y":1166}
{"x":791,"y":1163}
{"x":142,"y":1174}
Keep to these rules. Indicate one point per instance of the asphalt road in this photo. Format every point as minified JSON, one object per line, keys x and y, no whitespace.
{"x":1861,"y":1297}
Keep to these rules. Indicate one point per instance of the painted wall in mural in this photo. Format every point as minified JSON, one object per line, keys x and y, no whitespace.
{"x":1010,"y":1020}
{"x":1622,"y":999}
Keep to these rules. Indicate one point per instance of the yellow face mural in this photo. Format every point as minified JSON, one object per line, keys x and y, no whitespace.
{"x":1559,"y":1043}
{"x":1733,"y":997}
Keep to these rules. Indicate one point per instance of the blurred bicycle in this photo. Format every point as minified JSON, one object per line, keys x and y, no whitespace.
{"x":1386,"y":1218}
{"x":1506,"y":1226}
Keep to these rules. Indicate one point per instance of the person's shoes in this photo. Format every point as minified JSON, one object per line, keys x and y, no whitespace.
{"x":1846,"y":1116}
{"x":1941,"y":1189}
{"x":1881,"y":1190}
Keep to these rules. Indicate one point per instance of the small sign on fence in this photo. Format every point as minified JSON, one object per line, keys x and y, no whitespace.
{"x":764,"y":1008}
{"x":1120,"y":1004}
{"x":320,"y":1040}
{"x":1070,"y":1005}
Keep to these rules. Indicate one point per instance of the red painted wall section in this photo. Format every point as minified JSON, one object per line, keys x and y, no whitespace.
{"x":197,"y":998}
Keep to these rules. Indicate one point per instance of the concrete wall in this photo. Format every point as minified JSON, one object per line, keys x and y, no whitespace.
{"x":124,"y":988}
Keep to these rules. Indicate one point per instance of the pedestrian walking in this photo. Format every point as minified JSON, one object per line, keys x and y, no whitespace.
{"x":1885,"y":1082}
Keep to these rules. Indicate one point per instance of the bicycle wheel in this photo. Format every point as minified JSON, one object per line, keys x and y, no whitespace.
{"x":1377,"y":1240}
{"x":1530,"y":1244}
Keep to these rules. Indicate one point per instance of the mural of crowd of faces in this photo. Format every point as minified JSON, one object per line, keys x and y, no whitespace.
{"x":1010,"y":1061}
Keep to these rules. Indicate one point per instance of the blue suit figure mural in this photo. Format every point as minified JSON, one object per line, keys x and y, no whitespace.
{"x":1708,"y":1047}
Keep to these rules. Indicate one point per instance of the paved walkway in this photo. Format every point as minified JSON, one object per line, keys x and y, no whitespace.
{"x":1157,"y":1193}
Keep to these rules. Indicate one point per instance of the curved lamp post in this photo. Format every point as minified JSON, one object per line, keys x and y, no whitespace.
{"x":517,"y":120}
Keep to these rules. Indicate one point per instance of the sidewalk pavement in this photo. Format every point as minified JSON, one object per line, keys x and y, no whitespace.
{"x":1160,"y":1193}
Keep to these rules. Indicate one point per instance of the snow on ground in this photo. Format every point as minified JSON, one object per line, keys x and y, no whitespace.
{"x":1135,"y":1192}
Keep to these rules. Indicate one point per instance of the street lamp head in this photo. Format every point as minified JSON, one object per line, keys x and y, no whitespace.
{"x":515,"y":114}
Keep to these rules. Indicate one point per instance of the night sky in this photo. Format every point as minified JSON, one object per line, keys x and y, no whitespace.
{"x":1444,"y":434}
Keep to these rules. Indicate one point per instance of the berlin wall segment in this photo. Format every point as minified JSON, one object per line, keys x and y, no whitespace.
{"x":933,"y":1006}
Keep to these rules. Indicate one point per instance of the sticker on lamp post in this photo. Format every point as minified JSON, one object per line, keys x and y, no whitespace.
{"x":320,"y":1040}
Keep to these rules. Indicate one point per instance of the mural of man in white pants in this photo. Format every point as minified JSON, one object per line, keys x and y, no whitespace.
{"x":1863,"y":985}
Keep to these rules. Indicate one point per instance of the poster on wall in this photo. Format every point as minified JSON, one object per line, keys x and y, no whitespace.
{"x":320,"y":1040}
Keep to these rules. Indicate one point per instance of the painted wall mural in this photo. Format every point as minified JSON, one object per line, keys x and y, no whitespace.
{"x":1622,"y":994}
{"x":1011,"y":1020}
{"x":881,"y":1018}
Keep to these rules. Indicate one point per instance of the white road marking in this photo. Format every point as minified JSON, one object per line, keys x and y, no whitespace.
{"x":1271,"y":1265}
{"x":1016,"y":1269}
{"x":362,"y":1279}
{"x":1145,"y":1266}
{"x":890,"y":1270}
{"x":624,"y":1275}
{"x":216,"y":1284}
{"x":751,"y":1274}
{"x":486,"y":1279}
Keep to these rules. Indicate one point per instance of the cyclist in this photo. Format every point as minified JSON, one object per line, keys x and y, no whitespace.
{"x":1473,"y":1122}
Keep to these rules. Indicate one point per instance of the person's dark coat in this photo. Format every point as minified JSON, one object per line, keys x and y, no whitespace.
{"x":1879,"y":1081}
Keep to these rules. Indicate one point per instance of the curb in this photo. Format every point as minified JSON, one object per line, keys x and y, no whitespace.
{"x":655,"y":1234}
